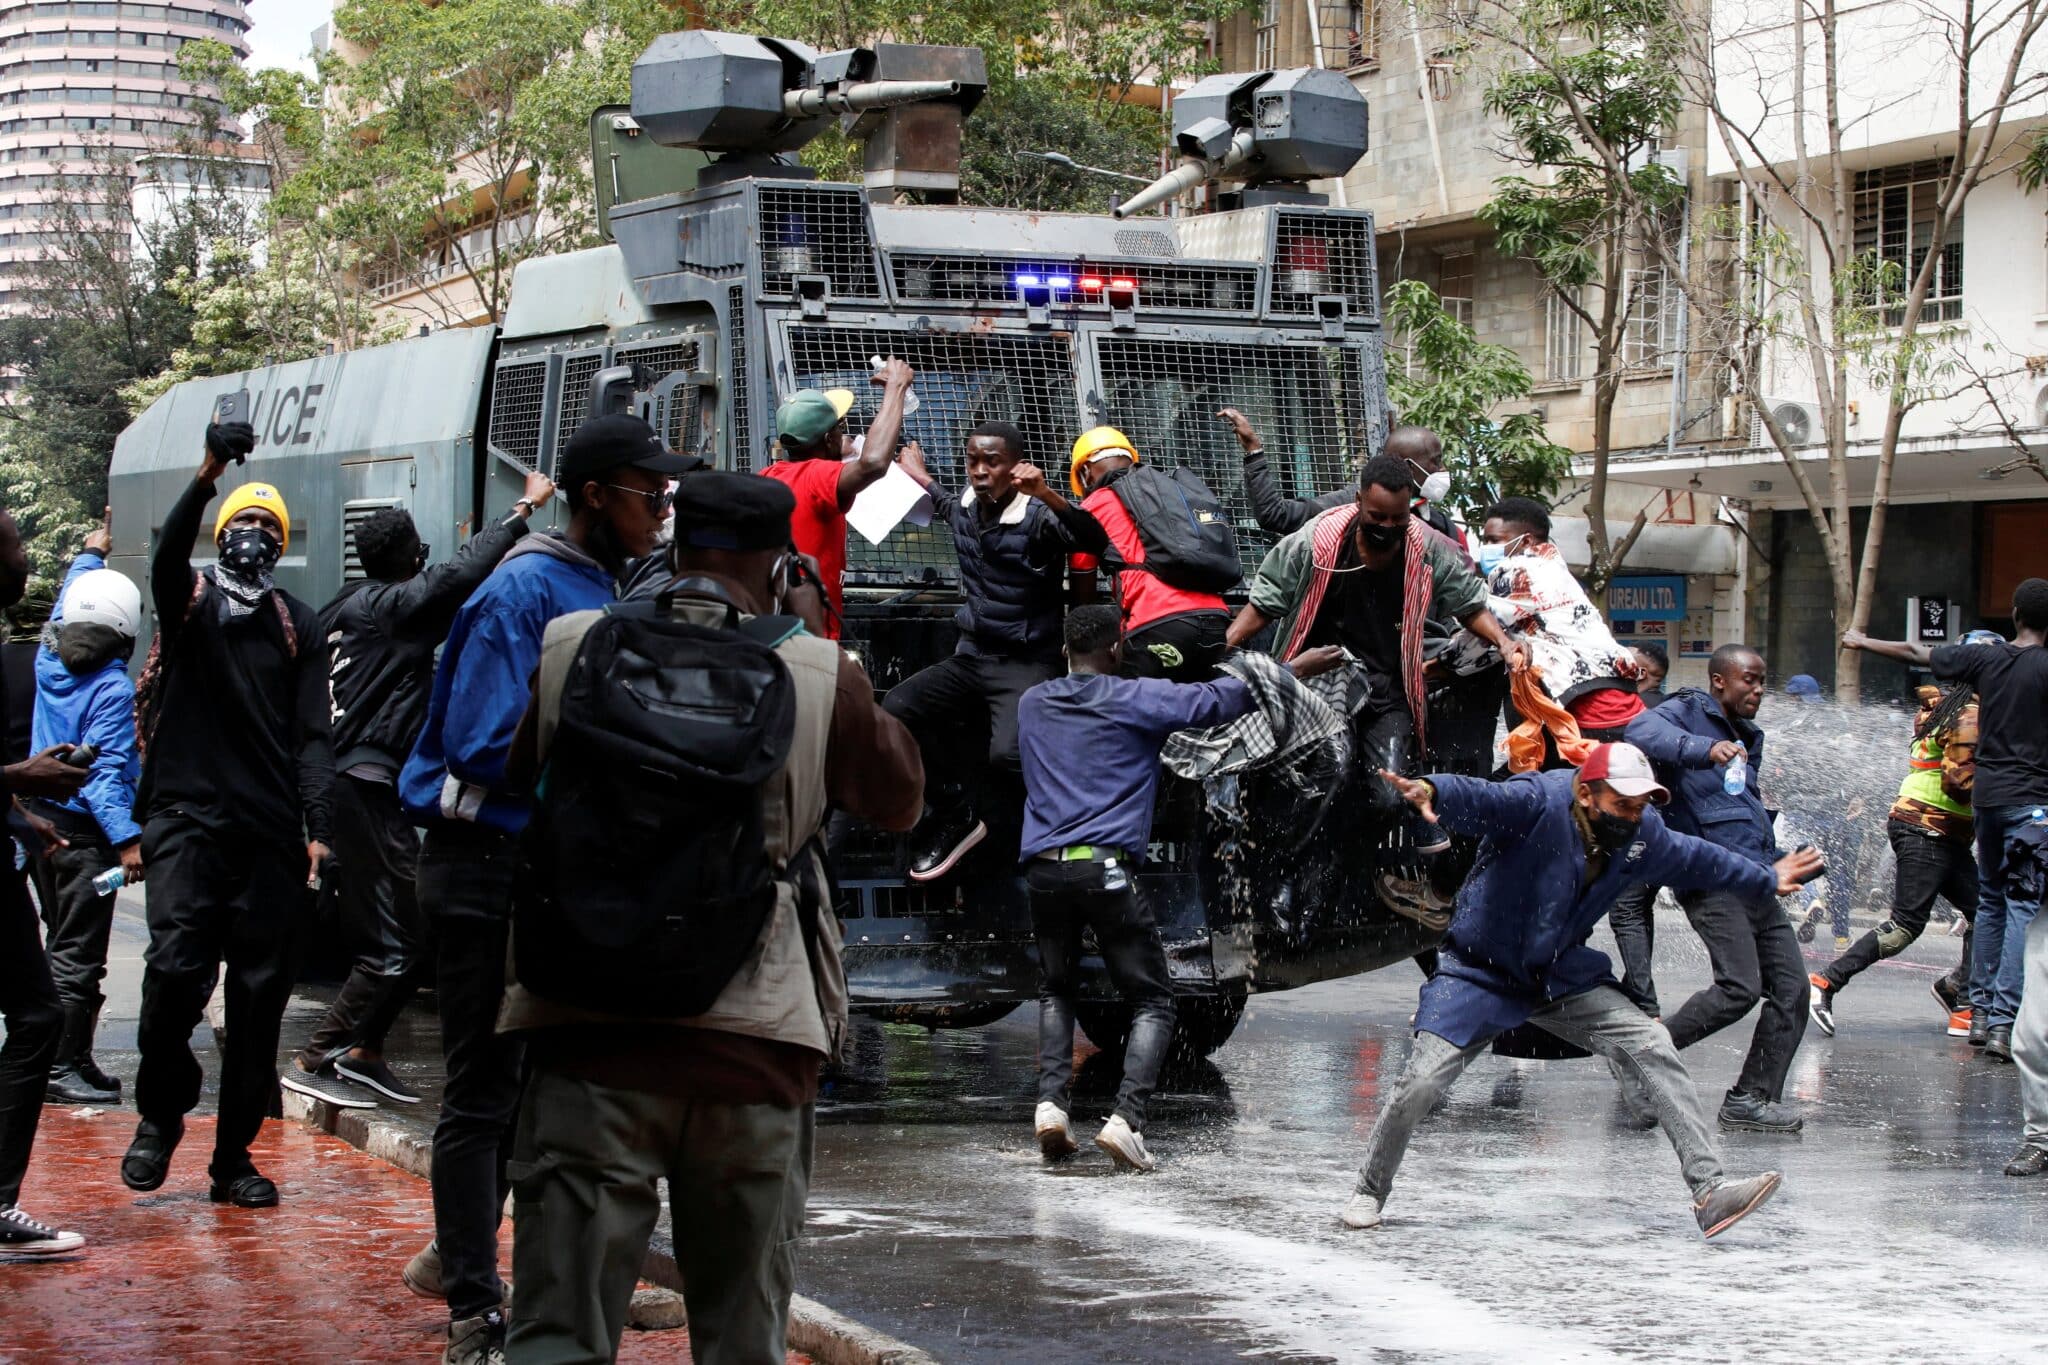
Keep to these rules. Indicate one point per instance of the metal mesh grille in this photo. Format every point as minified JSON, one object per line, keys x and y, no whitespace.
{"x":962,"y":380}
{"x":817,"y":231}
{"x":517,"y":397}
{"x":577,"y":372}
{"x":989,"y":279}
{"x":743,"y":456}
{"x":1309,"y":404}
{"x":664,"y":359}
{"x":1317,"y":253}
{"x":1145,"y":242}
{"x":353,"y":515}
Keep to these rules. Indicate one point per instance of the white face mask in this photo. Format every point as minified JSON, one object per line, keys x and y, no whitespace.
{"x":1437,"y":486}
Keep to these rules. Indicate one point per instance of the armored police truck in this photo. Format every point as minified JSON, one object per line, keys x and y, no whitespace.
{"x":745,"y":278}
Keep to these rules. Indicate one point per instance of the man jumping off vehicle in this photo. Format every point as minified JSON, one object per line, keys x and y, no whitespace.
{"x":1560,"y":846}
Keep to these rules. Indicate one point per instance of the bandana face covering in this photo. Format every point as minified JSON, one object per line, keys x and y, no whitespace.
{"x":1611,"y":832}
{"x":247,"y":555}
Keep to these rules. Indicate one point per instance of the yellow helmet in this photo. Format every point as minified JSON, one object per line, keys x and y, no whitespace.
{"x":1093,"y":442}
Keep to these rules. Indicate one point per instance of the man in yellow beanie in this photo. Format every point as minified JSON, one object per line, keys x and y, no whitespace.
{"x":232,"y":717}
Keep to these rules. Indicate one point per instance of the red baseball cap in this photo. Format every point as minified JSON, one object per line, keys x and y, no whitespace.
{"x":1625,"y":769}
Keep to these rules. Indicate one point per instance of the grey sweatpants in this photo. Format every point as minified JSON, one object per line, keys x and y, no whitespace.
{"x":586,"y":1167}
{"x":2030,"y":1035}
{"x":1601,"y":1020}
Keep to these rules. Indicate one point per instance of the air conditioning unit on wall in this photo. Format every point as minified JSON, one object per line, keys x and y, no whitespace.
{"x":1800,"y":421}
{"x":2041,"y":407}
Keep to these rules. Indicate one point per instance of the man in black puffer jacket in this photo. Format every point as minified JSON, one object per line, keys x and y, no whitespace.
{"x":1014,"y":534}
{"x":382,"y":632}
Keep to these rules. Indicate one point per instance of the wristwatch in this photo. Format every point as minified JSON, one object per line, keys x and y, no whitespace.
{"x":1250,"y":454}
{"x":527,"y":503}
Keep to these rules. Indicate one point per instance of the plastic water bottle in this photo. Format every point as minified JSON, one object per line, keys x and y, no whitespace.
{"x":1735,"y":779}
{"x":910,"y":403}
{"x":108,"y":882}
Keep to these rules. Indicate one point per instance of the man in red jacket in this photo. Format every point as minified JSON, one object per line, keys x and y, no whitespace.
{"x":1169,"y":632}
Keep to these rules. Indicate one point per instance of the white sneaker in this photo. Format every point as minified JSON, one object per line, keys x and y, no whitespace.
{"x":1055,"y":1139}
{"x":1362,"y":1212}
{"x":1124,"y":1146}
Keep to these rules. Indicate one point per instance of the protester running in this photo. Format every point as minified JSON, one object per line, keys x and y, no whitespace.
{"x":1418,"y":448}
{"x":1707,"y":748}
{"x":1557,"y":848}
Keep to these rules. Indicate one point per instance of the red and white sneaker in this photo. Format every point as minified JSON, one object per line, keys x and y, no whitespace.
{"x":1959,"y":1022}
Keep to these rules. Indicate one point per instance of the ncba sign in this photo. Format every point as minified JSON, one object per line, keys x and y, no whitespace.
{"x":1653,"y":598}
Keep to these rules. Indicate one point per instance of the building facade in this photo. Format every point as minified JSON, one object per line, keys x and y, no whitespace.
{"x":76,"y":75}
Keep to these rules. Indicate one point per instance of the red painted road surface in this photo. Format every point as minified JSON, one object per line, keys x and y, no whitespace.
{"x":170,"y":1276}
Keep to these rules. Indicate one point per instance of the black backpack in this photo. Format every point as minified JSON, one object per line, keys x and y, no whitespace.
{"x":1188,"y":538}
{"x":649,"y":880}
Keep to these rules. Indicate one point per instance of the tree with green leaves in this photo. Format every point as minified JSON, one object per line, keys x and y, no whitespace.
{"x":1453,"y":383}
{"x":1585,"y":91}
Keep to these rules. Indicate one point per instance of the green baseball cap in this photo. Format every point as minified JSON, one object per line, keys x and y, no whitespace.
{"x":808,"y":414}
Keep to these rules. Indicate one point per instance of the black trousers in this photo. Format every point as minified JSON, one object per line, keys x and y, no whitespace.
{"x":1067,"y":898}
{"x":1182,"y":649}
{"x":1928,"y":867}
{"x":1385,"y":734}
{"x":1634,"y":922}
{"x":78,"y":920}
{"x":214,"y":900}
{"x":961,"y":696}
{"x":466,"y":877}
{"x":1755,"y":957}
{"x":28,"y":1002}
{"x":377,"y":851}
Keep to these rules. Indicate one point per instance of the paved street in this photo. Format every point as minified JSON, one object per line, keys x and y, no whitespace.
{"x":1527,"y":1221}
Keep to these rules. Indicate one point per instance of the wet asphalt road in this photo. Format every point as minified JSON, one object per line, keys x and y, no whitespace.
{"x":1527,"y":1223}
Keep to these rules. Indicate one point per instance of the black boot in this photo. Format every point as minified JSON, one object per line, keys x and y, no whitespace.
{"x":88,"y":1065}
{"x":68,"y":1081}
{"x":1998,"y":1043}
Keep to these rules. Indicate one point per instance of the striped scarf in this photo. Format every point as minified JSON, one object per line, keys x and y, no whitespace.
{"x":1418,"y":585}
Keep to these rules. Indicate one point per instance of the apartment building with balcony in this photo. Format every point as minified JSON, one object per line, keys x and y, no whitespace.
{"x":82,"y":74}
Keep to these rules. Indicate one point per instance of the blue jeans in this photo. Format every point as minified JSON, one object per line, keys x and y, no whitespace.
{"x":1998,"y":962}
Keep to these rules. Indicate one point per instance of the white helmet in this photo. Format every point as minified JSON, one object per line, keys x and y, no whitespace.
{"x":102,"y":597}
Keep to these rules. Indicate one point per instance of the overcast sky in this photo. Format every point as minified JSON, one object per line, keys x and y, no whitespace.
{"x":281,"y":31}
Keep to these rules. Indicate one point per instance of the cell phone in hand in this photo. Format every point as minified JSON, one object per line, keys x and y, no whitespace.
{"x":1816,"y":874}
{"x":231,"y":407}
{"x":82,"y":755}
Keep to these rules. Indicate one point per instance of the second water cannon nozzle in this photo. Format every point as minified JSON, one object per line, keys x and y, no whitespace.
{"x":866,"y":95}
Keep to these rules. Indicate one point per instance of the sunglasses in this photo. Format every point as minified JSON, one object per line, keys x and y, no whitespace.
{"x":658,"y":501}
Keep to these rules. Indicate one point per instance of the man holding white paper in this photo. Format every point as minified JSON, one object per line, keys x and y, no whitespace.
{"x":827,"y":471}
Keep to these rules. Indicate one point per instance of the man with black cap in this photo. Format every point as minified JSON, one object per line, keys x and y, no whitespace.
{"x":827,"y":470}
{"x":719,"y":1103}
{"x":615,"y":477}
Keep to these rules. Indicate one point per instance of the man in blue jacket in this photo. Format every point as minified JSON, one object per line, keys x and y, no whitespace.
{"x":84,"y":696}
{"x":615,"y":476}
{"x":1559,"y":847}
{"x":1693,"y":738}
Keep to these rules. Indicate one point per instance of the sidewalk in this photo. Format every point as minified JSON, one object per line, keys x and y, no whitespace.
{"x":171,"y":1276}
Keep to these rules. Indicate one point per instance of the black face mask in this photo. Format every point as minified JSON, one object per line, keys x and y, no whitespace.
{"x":1381,"y":537}
{"x":250,"y":550}
{"x":1612,"y":833}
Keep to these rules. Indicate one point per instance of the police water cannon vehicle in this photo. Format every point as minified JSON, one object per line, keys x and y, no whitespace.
{"x":734,"y":277}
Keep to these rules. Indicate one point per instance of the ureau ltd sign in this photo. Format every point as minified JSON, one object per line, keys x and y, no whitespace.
{"x":1655,"y":597}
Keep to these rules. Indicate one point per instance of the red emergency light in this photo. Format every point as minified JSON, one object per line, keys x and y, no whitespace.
{"x":1091,"y":283}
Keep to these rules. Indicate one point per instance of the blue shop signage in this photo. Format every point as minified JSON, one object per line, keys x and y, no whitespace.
{"x":1659,"y":597}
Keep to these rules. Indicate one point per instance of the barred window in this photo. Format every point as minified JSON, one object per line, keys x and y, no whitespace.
{"x":1564,"y":335}
{"x":1896,"y":211}
{"x":1650,"y":339}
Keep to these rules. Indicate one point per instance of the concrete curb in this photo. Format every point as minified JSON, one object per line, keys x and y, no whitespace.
{"x":827,"y":1337}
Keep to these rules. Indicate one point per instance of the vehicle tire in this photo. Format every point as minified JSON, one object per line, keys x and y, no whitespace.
{"x":951,"y":1016}
{"x":1202,"y":1023}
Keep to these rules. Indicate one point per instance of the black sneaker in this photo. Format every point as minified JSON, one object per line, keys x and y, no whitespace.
{"x":148,"y":1159}
{"x":324,"y":1085}
{"x":72,"y":1086}
{"x":1998,"y":1043}
{"x":940,"y":841}
{"x":21,"y":1235}
{"x":376,"y":1075}
{"x":1820,"y":1005}
{"x":1948,"y":993}
{"x":2029,"y":1160}
{"x":1733,"y":1200}
{"x":1744,"y":1112}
